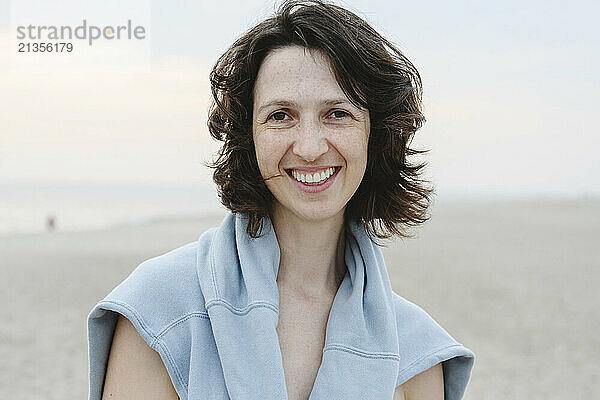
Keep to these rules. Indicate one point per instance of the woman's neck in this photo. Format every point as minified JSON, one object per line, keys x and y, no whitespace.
{"x":312,"y":263}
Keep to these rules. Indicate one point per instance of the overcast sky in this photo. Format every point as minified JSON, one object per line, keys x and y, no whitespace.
{"x":511,"y":93}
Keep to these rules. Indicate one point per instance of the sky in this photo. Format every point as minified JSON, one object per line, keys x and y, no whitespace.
{"x":511,"y":92}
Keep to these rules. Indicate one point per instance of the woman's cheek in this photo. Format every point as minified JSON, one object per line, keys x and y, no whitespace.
{"x":260,"y":156}
{"x":268,"y":154}
{"x":352,"y":147}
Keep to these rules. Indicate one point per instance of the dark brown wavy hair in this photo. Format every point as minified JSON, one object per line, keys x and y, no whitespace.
{"x":373,"y":74}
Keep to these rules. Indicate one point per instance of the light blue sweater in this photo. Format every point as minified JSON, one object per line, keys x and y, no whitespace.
{"x":210,"y":309}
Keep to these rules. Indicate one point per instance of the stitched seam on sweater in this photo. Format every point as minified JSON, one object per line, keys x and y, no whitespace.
{"x":427,"y":355}
{"x":135,"y":315}
{"x":242,"y":311}
{"x":361,"y":353}
{"x":212,"y":265}
{"x":172,"y":362}
{"x":181,"y":320}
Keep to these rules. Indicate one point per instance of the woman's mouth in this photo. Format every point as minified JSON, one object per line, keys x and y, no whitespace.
{"x":314,"y":180}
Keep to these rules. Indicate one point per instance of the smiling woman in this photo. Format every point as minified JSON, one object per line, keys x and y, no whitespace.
{"x":290,"y":298}
{"x":366,"y":75}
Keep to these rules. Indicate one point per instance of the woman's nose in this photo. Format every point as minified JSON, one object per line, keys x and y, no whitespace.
{"x":310,"y":143}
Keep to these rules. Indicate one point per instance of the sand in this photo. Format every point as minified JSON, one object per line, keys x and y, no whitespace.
{"x":513,"y":281}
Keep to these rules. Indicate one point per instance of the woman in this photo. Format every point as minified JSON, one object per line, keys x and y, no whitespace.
{"x":290,"y":298}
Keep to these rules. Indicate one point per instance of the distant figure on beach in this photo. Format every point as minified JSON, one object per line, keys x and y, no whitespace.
{"x":50,"y":223}
{"x":289,"y":298}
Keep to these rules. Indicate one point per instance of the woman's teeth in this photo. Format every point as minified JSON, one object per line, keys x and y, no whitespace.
{"x":313,"y":179}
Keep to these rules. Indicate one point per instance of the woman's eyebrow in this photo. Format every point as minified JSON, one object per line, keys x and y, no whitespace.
{"x":286,"y":103}
{"x":335,"y":102}
{"x":279,"y":103}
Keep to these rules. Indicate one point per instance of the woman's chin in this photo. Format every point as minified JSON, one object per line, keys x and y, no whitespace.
{"x":314,"y":215}
{"x":309,"y":212}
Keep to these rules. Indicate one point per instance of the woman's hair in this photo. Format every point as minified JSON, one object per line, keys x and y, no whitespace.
{"x":373,"y":74}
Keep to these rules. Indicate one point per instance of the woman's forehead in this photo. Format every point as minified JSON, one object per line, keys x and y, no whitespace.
{"x":296,"y":72}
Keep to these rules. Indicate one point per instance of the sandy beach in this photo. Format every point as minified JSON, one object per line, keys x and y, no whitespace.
{"x":515,"y":281}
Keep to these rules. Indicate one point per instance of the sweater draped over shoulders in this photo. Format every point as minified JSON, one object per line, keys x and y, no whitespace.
{"x":210,"y":309}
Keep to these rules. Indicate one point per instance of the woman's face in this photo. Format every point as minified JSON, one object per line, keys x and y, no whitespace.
{"x":310,"y":141}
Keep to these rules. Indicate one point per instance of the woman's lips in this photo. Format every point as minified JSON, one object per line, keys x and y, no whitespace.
{"x":313,"y":179}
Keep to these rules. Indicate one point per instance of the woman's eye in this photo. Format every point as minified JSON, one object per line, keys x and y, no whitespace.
{"x":278,"y":116}
{"x":338,"y":114}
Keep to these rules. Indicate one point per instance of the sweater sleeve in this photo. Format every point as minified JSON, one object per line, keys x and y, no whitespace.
{"x":157,"y":294}
{"x":101,"y":327}
{"x":102,"y":321}
{"x":423,"y":343}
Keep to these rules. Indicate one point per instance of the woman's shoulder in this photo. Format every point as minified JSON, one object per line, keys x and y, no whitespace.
{"x":163,"y":289}
{"x":163,"y":301}
{"x":423,"y":343}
